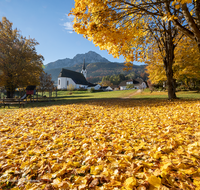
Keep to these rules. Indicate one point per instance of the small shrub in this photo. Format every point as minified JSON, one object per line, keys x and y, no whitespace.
{"x":70,"y":87}
{"x":91,"y":90}
{"x":63,"y":89}
{"x":129,"y":86}
{"x":80,"y":89}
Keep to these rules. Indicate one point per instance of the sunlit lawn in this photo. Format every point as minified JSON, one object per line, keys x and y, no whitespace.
{"x":164,"y":94}
{"x":67,"y":97}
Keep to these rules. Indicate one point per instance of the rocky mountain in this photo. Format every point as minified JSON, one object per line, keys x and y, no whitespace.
{"x":96,"y":66}
{"x":95,"y":71}
{"x":90,"y":57}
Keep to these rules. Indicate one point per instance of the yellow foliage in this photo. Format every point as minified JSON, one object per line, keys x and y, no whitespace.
{"x":20,"y":64}
{"x":102,"y":145}
{"x":186,"y":62}
{"x":155,"y":181}
{"x":130,"y":183}
{"x":96,"y":22}
{"x":96,"y":169}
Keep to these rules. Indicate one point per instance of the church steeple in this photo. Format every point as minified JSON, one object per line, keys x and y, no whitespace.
{"x":84,"y":72}
{"x":83,"y":65}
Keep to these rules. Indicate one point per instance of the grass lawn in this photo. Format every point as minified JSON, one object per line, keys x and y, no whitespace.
{"x":164,"y":95}
{"x":66,"y":97}
{"x":95,"y":95}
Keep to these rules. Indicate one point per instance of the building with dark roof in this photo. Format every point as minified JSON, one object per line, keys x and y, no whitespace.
{"x":71,"y":79}
{"x":68,"y":79}
{"x":138,"y":84}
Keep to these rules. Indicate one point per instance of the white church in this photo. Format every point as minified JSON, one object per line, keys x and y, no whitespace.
{"x":72,"y":79}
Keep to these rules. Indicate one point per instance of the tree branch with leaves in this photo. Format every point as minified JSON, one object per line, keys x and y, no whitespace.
{"x":130,"y":28}
{"x":20,"y":64}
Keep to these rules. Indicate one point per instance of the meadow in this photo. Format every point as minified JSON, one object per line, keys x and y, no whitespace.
{"x":70,"y":97}
{"x":111,"y":140}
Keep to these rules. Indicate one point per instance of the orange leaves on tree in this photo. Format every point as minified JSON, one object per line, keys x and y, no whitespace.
{"x":98,"y":21}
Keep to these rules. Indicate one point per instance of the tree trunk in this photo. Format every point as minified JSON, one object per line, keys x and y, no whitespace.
{"x":170,"y":80}
{"x":168,"y":62}
{"x":198,"y":45}
{"x":10,"y":92}
{"x":171,"y":84}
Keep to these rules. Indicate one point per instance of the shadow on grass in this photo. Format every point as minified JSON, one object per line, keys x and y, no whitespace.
{"x":71,"y":96}
{"x":113,"y":102}
{"x":135,"y":101}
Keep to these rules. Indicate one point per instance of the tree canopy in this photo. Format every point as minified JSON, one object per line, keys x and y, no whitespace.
{"x":106,"y":22}
{"x":131,"y":28}
{"x":20,"y":64}
{"x":190,"y":11}
{"x":186,"y":63}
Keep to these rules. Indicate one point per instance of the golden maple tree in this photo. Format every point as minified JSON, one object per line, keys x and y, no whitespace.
{"x":129,"y":28}
{"x":20,"y":64}
{"x":190,"y":11}
{"x":186,"y":63}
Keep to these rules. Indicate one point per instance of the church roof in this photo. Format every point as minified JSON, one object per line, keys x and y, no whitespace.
{"x":78,"y":78}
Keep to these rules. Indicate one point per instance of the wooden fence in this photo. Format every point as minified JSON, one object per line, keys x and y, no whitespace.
{"x":47,"y":95}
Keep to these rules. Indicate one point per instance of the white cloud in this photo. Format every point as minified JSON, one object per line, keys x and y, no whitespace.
{"x":70,"y":17}
{"x":69,"y":24}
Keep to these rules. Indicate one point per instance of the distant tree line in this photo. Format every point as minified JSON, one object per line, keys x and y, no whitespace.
{"x":46,"y":83}
{"x":117,"y":79}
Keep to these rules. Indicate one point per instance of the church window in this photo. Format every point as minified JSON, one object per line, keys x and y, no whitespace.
{"x":58,"y":82}
{"x":67,"y":83}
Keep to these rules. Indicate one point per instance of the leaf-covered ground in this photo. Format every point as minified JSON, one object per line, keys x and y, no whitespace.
{"x":116,"y":144}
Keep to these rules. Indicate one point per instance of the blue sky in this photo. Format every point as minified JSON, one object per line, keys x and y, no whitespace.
{"x":48,"y":22}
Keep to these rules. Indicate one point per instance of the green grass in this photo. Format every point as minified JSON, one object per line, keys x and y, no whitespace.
{"x":65,"y":97}
{"x":146,"y":94}
{"x":85,"y":95}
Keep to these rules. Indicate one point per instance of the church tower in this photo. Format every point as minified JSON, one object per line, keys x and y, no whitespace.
{"x":84,"y":72}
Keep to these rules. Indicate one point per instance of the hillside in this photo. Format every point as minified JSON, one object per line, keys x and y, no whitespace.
{"x":97,"y":70}
{"x":97,"y":67}
{"x":89,"y":57}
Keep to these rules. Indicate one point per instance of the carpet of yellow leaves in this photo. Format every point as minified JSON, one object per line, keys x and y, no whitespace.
{"x":116,"y":144}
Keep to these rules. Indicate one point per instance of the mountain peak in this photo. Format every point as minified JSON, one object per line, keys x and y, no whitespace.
{"x":92,"y":52}
{"x":90,"y":57}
